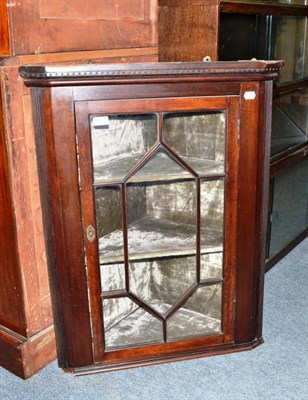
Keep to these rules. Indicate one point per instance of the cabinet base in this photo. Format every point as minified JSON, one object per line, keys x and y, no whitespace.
{"x":25,"y":356}
{"x":179,"y":357}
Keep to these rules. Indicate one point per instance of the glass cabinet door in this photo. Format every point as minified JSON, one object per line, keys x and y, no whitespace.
{"x":289,"y":121}
{"x":158,"y":191}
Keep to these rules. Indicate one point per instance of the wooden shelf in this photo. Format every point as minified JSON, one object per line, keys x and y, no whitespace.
{"x":262,"y":8}
{"x":300,"y":97}
{"x":159,"y":168}
{"x":155,"y":238}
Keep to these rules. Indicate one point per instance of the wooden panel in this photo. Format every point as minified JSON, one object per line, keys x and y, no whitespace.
{"x":159,"y":90}
{"x":42,"y":26}
{"x":4,"y":30}
{"x":94,"y":10}
{"x":25,"y":357}
{"x":39,"y":254}
{"x":12,"y":313}
{"x":187,"y":30}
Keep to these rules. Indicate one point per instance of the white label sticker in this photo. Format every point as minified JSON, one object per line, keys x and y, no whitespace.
{"x":101,"y":122}
{"x":249,"y":95}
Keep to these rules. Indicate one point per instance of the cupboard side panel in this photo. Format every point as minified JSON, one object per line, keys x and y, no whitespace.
{"x":39,"y":254}
{"x":62,"y":223}
{"x":12,"y":312}
{"x":26,"y":203}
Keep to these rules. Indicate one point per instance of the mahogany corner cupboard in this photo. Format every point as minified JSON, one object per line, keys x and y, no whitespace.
{"x":154,"y":186}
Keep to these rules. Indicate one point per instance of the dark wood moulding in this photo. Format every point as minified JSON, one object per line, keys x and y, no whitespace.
{"x":53,"y":75}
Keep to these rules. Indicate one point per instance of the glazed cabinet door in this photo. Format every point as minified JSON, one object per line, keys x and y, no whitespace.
{"x":158,"y":192}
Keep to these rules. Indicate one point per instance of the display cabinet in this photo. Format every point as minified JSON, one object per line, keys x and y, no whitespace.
{"x":154,"y":191}
{"x":278,"y":29}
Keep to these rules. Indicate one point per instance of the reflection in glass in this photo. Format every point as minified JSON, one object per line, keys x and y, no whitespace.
{"x":211,"y":266}
{"x":295,"y":105}
{"x":161,"y":283}
{"x":126,"y":324}
{"x":200,"y":315}
{"x":290,"y":44}
{"x":198,"y":138}
{"x":108,"y":204}
{"x":119,"y":142}
{"x":285,"y":133}
{"x":212,"y":215}
{"x":289,"y":214}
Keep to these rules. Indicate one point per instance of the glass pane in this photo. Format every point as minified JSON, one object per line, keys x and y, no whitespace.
{"x":200,"y":315}
{"x":112,"y":277}
{"x":212,"y":215}
{"x":290,"y":207}
{"x":161,"y":283}
{"x":165,"y":224}
{"x":108,"y":203}
{"x":211,"y":266}
{"x":295,"y":106}
{"x":126,"y":324}
{"x":285,"y":133}
{"x":160,"y":166}
{"x":198,"y":138}
{"x":233,"y":28}
{"x":298,"y":2}
{"x":290,"y":44}
{"x":119,"y":142}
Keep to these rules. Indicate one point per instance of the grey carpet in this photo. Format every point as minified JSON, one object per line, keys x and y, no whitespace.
{"x":277,"y":370}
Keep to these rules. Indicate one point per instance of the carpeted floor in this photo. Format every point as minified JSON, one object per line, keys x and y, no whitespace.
{"x":277,"y":370}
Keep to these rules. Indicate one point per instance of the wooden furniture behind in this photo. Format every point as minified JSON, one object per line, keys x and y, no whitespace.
{"x":91,"y":274}
{"x":4,"y":30}
{"x":188,"y":30}
{"x":223,"y":37}
{"x":43,"y":26}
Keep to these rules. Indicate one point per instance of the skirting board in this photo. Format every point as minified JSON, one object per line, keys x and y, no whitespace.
{"x":25,"y":356}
